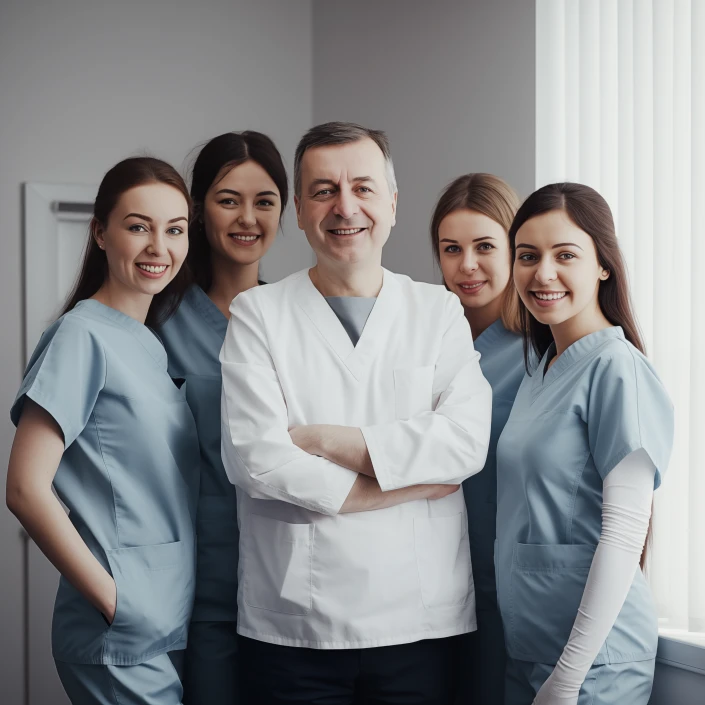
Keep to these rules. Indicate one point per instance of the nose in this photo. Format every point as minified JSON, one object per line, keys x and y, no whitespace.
{"x":545,"y":272}
{"x":246,"y":218}
{"x":345,"y":205}
{"x":157,"y":244}
{"x":469,"y":264}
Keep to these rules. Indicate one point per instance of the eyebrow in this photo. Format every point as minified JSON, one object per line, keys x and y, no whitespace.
{"x":477,"y":239}
{"x":323,"y":182}
{"x":149,"y":220}
{"x":237,"y":193}
{"x":560,"y":244}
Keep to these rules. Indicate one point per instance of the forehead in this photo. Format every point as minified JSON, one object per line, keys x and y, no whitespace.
{"x":246,"y":177}
{"x":467,"y":224}
{"x":343,"y":161}
{"x":549,"y":228}
{"x":155,"y":200}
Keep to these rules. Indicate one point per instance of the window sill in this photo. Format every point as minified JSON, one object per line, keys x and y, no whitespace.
{"x":682,"y":650}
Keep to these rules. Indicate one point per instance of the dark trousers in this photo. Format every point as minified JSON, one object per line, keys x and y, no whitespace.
{"x":420,"y":673}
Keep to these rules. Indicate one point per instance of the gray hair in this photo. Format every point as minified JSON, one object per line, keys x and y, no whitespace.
{"x":330,"y":133}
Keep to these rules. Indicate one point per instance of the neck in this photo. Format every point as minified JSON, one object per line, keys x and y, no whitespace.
{"x":131,"y":303}
{"x":589,"y":320}
{"x":365,"y":281}
{"x":480,"y":319}
{"x":230,"y":279}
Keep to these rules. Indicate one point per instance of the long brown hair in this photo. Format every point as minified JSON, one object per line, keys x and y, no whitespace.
{"x":226,"y":152}
{"x":126,"y":175}
{"x":591,"y":213}
{"x":491,"y":196}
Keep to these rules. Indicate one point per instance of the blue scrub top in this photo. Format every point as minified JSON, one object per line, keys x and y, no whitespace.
{"x":128,"y":476}
{"x":193,"y":337}
{"x":502,"y":364}
{"x":600,"y":401}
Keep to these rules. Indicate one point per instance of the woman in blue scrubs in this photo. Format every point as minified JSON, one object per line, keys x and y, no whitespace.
{"x":586,"y":443}
{"x":470,"y":242}
{"x":239,"y":188}
{"x":100,"y":420}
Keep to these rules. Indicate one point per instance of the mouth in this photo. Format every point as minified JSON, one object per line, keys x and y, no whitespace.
{"x":244,"y":239}
{"x":546,"y":299}
{"x":471,"y":287}
{"x":152,"y":271}
{"x":346,"y":232}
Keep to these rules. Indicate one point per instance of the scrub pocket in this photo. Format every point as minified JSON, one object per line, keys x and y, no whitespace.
{"x":155,"y":589}
{"x":413,"y":391}
{"x":443,"y":560}
{"x":547,"y":584}
{"x":277,"y":559}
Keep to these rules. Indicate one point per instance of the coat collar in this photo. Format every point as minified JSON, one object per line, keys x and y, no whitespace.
{"x":359,"y":357}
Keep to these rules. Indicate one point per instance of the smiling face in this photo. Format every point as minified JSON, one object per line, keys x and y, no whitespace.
{"x":475,"y":258}
{"x":556,"y":271}
{"x":241,"y":213}
{"x":346,"y":208}
{"x":145,"y":239}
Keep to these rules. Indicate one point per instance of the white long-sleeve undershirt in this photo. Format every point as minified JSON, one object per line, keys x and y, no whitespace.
{"x":626,"y":510}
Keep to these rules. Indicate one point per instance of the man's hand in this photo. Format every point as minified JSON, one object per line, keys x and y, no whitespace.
{"x":342,"y":445}
{"x":307,"y":438}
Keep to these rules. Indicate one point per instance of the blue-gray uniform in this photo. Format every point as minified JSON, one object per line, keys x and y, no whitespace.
{"x":129,"y":478}
{"x":571,"y":424}
{"x":482,"y":654}
{"x":193,"y":338}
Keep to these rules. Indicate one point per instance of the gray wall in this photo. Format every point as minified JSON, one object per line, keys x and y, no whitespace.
{"x":451,"y":82}
{"x":85,"y":83}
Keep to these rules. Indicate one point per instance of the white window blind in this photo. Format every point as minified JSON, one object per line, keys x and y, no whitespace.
{"x":620,"y":106}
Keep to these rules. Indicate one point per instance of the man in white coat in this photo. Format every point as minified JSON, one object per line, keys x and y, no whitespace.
{"x":353,"y":406}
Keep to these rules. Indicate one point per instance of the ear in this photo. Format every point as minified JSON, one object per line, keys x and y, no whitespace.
{"x":98,"y":233}
{"x":297,"y":207}
{"x":394,"y":208}
{"x":605,"y":274}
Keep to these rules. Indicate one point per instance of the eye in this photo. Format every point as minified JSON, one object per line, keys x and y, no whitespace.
{"x":174,"y":231}
{"x":527,"y":257}
{"x":485,"y":247}
{"x":566,"y":256}
{"x":264,"y":202}
{"x":452,"y":249}
{"x":137,"y":228}
{"x":323,"y":192}
{"x":227,"y":202}
{"x":365,"y":189}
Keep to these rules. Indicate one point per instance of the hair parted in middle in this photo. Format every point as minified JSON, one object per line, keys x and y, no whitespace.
{"x":217,"y":157}
{"x":333,"y":133}
{"x":492,"y":197}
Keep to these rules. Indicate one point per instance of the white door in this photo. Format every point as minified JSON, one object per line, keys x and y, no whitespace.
{"x":56,"y":229}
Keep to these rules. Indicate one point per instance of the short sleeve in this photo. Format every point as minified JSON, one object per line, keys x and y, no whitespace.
{"x":629,"y":409}
{"x":64,"y":376}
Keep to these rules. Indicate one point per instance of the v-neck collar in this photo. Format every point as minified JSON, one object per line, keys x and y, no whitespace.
{"x":207,"y":308}
{"x":587,"y":345}
{"x":356,"y":358}
{"x":491,"y":335}
{"x":146,"y":336}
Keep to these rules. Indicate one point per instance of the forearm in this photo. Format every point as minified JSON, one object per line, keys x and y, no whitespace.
{"x":366,"y":495}
{"x":45,"y":520}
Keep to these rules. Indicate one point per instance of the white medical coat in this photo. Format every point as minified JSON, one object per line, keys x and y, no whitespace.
{"x":309,"y":576}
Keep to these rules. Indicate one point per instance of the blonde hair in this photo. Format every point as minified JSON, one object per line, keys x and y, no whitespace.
{"x":490,"y":196}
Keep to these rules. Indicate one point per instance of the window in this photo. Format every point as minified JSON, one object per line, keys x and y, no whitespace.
{"x":620,"y":106}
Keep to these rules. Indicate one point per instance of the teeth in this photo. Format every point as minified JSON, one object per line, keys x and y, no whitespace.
{"x":549,"y":297}
{"x":245,"y":238}
{"x":471,"y":286}
{"x":152,"y":269}
{"x":352,"y":231}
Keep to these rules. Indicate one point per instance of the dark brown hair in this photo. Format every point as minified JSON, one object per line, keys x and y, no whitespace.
{"x":591,"y":213}
{"x":126,"y":175}
{"x":222,"y":153}
{"x":494,"y":198}
{"x":332,"y":133}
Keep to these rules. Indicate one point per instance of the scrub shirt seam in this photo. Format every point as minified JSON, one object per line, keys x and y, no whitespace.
{"x":574,"y":499}
{"x":107,"y":470}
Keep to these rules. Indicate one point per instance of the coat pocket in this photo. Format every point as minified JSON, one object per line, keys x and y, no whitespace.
{"x":443,"y":560}
{"x":547,"y":584}
{"x":413,"y":391}
{"x":155,"y":589}
{"x":277,"y":559}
